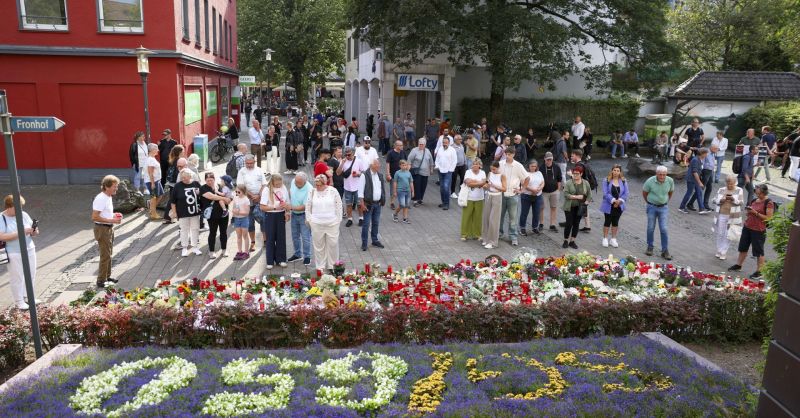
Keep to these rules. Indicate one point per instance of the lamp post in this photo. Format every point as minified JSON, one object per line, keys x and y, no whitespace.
{"x":143,"y":66}
{"x":267,"y":60}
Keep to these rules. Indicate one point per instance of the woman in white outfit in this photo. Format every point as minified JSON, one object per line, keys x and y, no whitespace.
{"x":729,"y":202}
{"x":8,"y":226}
{"x":324,"y":209}
{"x":495,"y":186}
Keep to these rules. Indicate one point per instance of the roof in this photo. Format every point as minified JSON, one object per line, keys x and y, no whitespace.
{"x":740,"y":85}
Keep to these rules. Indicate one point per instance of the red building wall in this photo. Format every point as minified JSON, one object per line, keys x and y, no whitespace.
{"x":87,"y":79}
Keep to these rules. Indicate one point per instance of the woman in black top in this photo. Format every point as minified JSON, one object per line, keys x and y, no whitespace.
{"x":587,"y":139}
{"x":233,"y":132}
{"x":210,"y":196}
{"x":186,"y":208}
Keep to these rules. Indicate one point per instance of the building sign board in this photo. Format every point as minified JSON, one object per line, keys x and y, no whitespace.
{"x":420,"y":82}
{"x":35,"y":124}
{"x":247,"y":80}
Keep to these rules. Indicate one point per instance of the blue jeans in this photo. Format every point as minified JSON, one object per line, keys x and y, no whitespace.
{"x":444,"y":187}
{"x":301,"y":231}
{"x":510,"y":205}
{"x":614,"y":149}
{"x":693,"y":188}
{"x":372,"y":218}
{"x":138,"y":179}
{"x":719,"y":168}
{"x":661,"y":214}
{"x":526,"y":203}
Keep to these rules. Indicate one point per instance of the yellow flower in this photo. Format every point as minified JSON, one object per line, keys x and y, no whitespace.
{"x":314,"y":291}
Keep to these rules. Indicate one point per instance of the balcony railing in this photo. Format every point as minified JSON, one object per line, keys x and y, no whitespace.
{"x":43,"y":22}
{"x":121,"y":25}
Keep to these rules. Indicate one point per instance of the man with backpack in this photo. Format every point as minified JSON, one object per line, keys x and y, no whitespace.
{"x":743,"y":166}
{"x":236,"y":162}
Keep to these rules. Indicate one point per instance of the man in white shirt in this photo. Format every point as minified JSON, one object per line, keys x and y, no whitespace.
{"x":531,"y":198}
{"x":577,"y":130}
{"x":371,"y":197}
{"x":722,"y":145}
{"x":366,"y":153}
{"x":256,"y":139}
{"x":104,"y":219}
{"x":254,"y":180}
{"x":515,"y":174}
{"x":351,"y":169}
{"x":446,"y":160}
{"x":445,"y":134}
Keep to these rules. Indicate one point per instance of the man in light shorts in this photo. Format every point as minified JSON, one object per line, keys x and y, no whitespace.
{"x":351,"y":169}
{"x":552,"y":188}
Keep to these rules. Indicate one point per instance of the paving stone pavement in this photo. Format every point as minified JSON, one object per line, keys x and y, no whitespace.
{"x":143,"y":254}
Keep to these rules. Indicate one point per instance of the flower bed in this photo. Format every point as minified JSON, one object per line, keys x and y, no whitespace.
{"x":566,"y":377}
{"x":527,"y":280}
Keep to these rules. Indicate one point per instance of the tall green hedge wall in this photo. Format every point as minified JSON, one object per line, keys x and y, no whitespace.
{"x":782,"y":117}
{"x":602,"y":116}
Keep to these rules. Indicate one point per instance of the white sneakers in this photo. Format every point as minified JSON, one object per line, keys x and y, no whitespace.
{"x":613,"y":242}
{"x":184,"y":252}
{"x":454,"y":196}
{"x":489,"y":246}
{"x":212,"y":255}
{"x":22,"y":305}
{"x":605,"y":242}
{"x":196,"y":251}
{"x":270,"y":266}
{"x":282,"y":264}
{"x":720,"y":256}
{"x":223,"y":253}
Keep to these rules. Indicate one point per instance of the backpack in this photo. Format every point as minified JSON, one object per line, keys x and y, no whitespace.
{"x":232,"y":168}
{"x":590,"y":177}
{"x":737,"y":164}
{"x":775,"y":205}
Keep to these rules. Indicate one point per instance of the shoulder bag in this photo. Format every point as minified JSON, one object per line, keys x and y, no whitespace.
{"x":463,"y":195}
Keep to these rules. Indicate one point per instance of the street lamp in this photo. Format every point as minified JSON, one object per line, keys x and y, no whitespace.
{"x":143,"y":66}
{"x":268,"y":59}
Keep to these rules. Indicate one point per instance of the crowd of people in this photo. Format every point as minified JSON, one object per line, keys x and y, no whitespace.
{"x":352,"y":179}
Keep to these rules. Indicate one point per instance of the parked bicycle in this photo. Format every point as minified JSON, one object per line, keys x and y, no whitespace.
{"x":222,"y":146}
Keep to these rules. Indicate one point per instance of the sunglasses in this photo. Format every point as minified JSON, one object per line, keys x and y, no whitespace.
{"x":238,"y":192}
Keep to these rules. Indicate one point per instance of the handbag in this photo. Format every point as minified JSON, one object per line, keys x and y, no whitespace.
{"x":463,"y":195}
{"x":415,"y":170}
{"x":207,"y":212}
{"x":734,"y":232}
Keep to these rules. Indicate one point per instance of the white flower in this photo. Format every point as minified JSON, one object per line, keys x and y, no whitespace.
{"x":386,"y":371}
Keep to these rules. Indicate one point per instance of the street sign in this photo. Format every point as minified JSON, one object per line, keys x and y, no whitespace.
{"x":36,"y":124}
{"x":247,"y":80}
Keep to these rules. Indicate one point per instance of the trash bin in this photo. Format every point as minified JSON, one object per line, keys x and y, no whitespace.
{"x":200,"y":147}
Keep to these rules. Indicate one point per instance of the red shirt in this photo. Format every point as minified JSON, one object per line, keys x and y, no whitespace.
{"x":321,"y":167}
{"x":754,"y":222}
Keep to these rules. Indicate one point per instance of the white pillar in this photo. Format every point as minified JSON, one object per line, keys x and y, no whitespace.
{"x":352,"y":108}
{"x":363,"y":105}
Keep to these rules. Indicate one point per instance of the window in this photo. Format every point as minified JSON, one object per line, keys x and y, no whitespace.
{"x":230,"y":43}
{"x":214,"y":24}
{"x":225,"y":45}
{"x":185,"y":5}
{"x":43,"y":14}
{"x":197,"y":22}
{"x":208,"y":44}
{"x":221,"y":45}
{"x":120,"y":16}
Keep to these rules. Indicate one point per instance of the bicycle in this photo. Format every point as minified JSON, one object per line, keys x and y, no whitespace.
{"x":223,"y":145}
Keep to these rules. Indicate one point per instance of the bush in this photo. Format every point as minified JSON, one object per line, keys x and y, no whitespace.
{"x":782,"y":117}
{"x":602,"y":116}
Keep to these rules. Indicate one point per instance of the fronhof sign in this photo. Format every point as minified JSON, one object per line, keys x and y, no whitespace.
{"x":425,"y":82}
{"x":247,"y":80}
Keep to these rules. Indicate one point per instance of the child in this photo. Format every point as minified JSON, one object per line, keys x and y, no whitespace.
{"x":227,"y":191}
{"x":241,"y":220}
{"x":403,"y":189}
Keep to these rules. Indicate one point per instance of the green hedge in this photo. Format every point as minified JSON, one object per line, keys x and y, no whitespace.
{"x":602,"y":116}
{"x":782,"y":117}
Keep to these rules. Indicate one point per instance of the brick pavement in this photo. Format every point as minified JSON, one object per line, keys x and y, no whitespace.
{"x":68,"y":256}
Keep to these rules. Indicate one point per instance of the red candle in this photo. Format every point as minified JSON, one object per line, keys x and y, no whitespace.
{"x":319,"y":273}
{"x":389,"y":269}
{"x":366,"y":268}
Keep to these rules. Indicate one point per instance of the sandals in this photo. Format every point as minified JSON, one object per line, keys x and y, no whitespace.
{"x":252,"y":247}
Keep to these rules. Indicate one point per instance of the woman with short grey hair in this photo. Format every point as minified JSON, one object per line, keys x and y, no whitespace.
{"x":324,"y":214}
{"x":421,"y":162}
{"x":186,"y":208}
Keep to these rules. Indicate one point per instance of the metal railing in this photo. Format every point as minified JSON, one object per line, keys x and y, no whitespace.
{"x":42,"y":22}
{"x":112,"y":25}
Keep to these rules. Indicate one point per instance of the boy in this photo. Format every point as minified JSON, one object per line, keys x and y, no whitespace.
{"x":403,"y":190}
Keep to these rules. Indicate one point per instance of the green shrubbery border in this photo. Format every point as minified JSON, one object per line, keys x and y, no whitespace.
{"x":704,"y":315}
{"x":602,"y":115}
{"x":782,"y":117}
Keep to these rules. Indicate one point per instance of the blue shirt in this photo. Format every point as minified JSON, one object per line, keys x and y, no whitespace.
{"x":710,"y":162}
{"x":695,"y":166}
{"x":10,"y":225}
{"x":770,"y":139}
{"x":403,"y":179}
{"x":299,"y":196}
{"x":747,"y":165}
{"x":630,"y":137}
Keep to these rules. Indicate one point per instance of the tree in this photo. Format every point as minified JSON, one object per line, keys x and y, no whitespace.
{"x":540,"y":40}
{"x":745,"y":35}
{"x":306,"y":36}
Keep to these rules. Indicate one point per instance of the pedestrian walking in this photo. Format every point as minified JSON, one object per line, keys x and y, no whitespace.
{"x":446,"y":160}
{"x":728,"y":217}
{"x":403,"y":188}
{"x":256,"y":141}
{"x":240,"y":210}
{"x":694,"y":182}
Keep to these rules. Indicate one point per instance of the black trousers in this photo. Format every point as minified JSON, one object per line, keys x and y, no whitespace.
{"x":220,"y":224}
{"x":458,"y":173}
{"x":573,"y":222}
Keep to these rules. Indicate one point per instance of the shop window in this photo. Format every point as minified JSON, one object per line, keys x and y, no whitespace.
{"x":43,"y":14}
{"x":120,"y":16}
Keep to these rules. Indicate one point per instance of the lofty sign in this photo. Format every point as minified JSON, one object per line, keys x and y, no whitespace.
{"x":36,"y":124}
{"x":424,"y":82}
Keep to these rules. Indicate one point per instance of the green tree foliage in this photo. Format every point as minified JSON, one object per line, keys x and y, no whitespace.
{"x":538,"y":40}
{"x":306,"y":36}
{"x":746,"y":35}
{"x":782,"y":117}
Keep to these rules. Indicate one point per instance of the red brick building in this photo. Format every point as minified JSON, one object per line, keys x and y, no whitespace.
{"x":70,"y":59}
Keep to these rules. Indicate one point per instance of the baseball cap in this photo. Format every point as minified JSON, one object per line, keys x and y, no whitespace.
{"x":367,"y":138}
{"x":228,"y":181}
{"x":548,"y":155}
{"x":166,"y":131}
